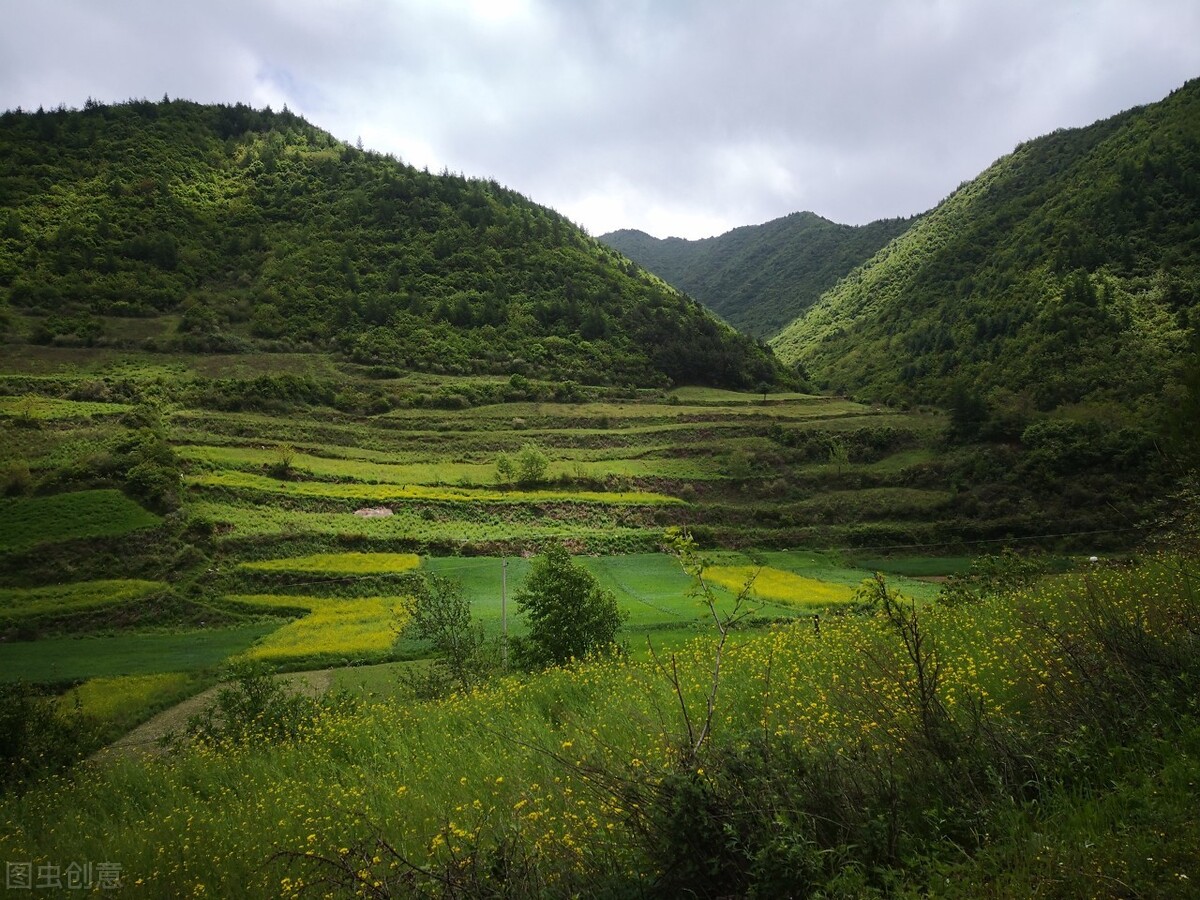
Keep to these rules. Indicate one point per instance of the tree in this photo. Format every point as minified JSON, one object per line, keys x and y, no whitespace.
{"x":532,"y":464}
{"x":441,"y":615}
{"x":504,"y":469}
{"x":567,"y":612}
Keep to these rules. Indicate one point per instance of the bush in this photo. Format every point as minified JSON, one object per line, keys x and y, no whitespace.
{"x":36,"y":737}
{"x":532,"y":465}
{"x":252,"y":707}
{"x":569,"y":615}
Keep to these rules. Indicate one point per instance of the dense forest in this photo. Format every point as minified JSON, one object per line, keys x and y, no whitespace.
{"x":260,"y":231}
{"x":1065,"y":277}
{"x":760,"y":277}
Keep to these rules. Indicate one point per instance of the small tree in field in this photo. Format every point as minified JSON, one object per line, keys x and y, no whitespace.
{"x":532,"y":465}
{"x":504,"y":469}
{"x":441,"y":615}
{"x":568,"y":614}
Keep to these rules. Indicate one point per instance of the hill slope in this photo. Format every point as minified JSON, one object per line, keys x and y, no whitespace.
{"x":255,"y":228}
{"x":1068,"y":272}
{"x":760,"y":277}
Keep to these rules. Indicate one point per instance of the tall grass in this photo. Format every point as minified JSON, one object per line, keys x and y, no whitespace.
{"x":833,"y":762}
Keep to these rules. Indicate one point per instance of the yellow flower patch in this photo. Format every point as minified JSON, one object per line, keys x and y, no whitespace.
{"x":778,"y":585}
{"x":348,"y":563}
{"x":361,"y":626}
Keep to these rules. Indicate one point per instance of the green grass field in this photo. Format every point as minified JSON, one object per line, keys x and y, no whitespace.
{"x":27,"y":521}
{"x":384,"y":493}
{"x":35,"y":407}
{"x":54,"y":600}
{"x":70,"y":659}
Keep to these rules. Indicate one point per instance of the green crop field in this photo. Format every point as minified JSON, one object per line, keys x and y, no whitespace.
{"x":70,"y":659}
{"x":61,"y":517}
{"x":382,"y":493}
{"x":17,"y":604}
{"x":35,"y":407}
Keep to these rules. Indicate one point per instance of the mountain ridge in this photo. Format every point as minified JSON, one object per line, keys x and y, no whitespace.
{"x":760,"y":277}
{"x":1066,"y":273}
{"x":258,"y":230}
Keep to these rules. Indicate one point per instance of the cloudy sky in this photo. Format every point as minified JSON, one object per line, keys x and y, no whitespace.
{"x":678,"y":117}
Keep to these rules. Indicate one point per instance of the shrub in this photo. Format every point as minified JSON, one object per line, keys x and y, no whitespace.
{"x":569,"y":615}
{"x":532,"y":465}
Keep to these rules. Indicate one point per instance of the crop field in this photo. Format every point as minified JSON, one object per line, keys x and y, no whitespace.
{"x":35,"y":407}
{"x":61,"y":659}
{"x":340,"y":563}
{"x":362,"y":494}
{"x":17,"y":604}
{"x":329,"y":629}
{"x":383,"y":493}
{"x":25,"y":522}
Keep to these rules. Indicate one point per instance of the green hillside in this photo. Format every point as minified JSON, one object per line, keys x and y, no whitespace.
{"x":178,"y":227}
{"x":1068,"y":273}
{"x":760,"y":277}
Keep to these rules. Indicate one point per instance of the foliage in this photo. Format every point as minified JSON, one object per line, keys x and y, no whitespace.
{"x":531,"y":465}
{"x":993,"y":576}
{"x":335,"y":248}
{"x":568,"y":614}
{"x":760,"y":277}
{"x":36,"y":736}
{"x":441,"y":616}
{"x":1064,"y":273}
{"x":251,"y":708}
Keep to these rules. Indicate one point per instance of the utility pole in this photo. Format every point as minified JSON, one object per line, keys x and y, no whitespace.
{"x":504,"y":611}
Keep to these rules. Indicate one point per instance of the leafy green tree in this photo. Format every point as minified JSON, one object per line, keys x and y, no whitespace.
{"x":569,"y":615}
{"x":441,"y":616}
{"x":504,"y":469}
{"x":532,"y":464}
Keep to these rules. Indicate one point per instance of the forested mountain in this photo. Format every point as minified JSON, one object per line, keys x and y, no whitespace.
{"x":258,"y":229}
{"x":760,"y":277}
{"x":1067,"y":273}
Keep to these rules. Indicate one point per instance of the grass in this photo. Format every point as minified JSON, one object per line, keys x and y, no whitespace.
{"x":340,"y":563}
{"x":421,"y":527}
{"x":385,"y":493}
{"x":511,"y":762}
{"x":34,"y":407}
{"x":330,"y":630}
{"x":72,"y":659}
{"x":27,"y":521}
{"x":23,"y":603}
{"x":331,"y":464}
{"x":120,"y":702}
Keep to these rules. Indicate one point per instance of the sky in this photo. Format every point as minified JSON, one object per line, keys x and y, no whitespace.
{"x":676,"y":117}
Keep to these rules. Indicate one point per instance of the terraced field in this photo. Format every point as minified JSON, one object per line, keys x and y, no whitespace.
{"x":297,"y":523}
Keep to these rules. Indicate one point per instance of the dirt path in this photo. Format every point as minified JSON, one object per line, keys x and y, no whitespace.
{"x":144,"y":738}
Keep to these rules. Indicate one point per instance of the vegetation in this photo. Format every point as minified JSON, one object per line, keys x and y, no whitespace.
{"x":63,"y":517}
{"x":243,"y":436}
{"x":569,"y":615}
{"x":337,"y":249}
{"x":760,"y":278}
{"x":1063,"y":277}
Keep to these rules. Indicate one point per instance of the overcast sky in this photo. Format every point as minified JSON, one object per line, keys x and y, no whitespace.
{"x":678,"y":117}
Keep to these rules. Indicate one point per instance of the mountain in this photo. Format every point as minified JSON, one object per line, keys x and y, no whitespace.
{"x":255,"y":229}
{"x":1067,"y":274}
{"x":760,"y":277}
